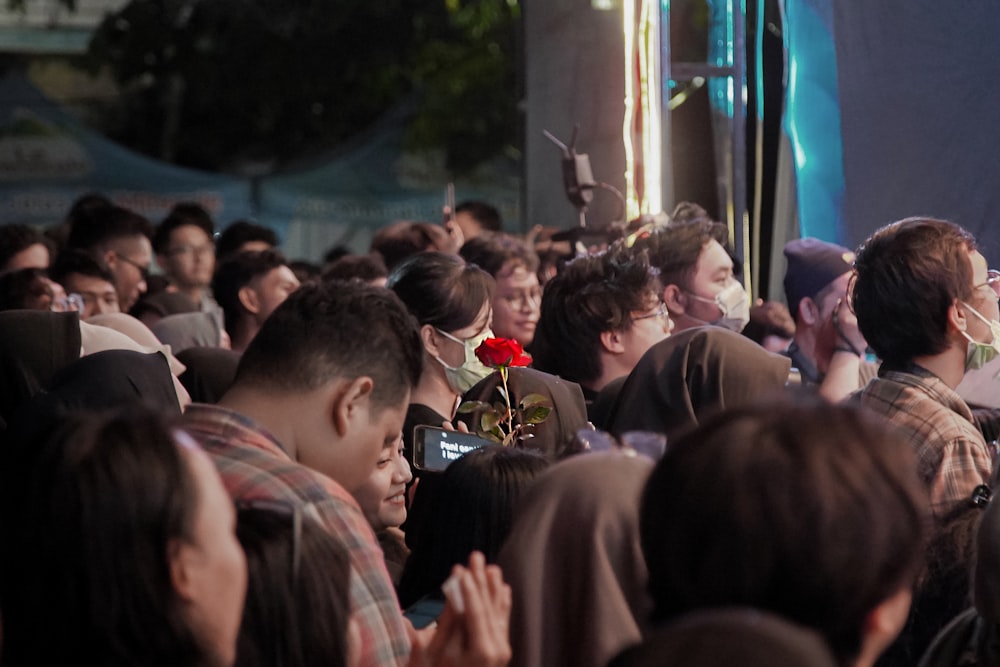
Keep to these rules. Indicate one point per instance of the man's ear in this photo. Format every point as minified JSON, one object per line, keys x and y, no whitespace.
{"x":957,"y":321}
{"x":110,"y":258}
{"x":612,"y":342}
{"x":351,"y":401}
{"x":883,"y":624}
{"x":249,"y":299}
{"x":674,"y":299}
{"x":179,"y":556}
{"x":808,"y":311}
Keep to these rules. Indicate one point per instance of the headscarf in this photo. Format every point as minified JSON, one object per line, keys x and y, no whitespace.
{"x":186,"y":330}
{"x":736,"y":636}
{"x":34,"y":344}
{"x":569,"y":411}
{"x":575,"y":565}
{"x":210,"y":372}
{"x":691,"y":375}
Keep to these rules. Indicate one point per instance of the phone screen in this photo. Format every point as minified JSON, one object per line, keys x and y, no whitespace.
{"x":436,"y":448}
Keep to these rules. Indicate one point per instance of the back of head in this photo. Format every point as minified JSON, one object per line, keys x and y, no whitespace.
{"x":575,"y":546}
{"x":298,"y":603}
{"x":72,"y":261}
{"x":590,"y":295}
{"x":812,"y":265}
{"x":185,"y":213}
{"x":985,"y":580}
{"x":744,"y":637}
{"x":235,"y":273}
{"x":790,"y":509}
{"x":366,"y":268}
{"x":441,"y":290}
{"x":486,"y":215}
{"x":909,"y":274}
{"x":471,"y":510}
{"x":98,"y":498}
{"x":324,"y":332}
{"x":494,"y":252}
{"x":233,"y":237}
{"x":106,"y":225}
{"x":401,"y":240}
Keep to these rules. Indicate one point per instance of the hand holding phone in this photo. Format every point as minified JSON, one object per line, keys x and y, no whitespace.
{"x":435,"y":448}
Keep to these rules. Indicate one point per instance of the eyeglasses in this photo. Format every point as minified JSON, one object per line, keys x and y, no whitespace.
{"x":291,"y":510}
{"x":525,"y":299}
{"x":660,"y":312}
{"x":68,"y":303}
{"x":993,"y":281}
{"x":144,"y":270}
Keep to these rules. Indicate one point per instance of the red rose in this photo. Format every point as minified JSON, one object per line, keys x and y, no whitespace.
{"x":500,"y":352}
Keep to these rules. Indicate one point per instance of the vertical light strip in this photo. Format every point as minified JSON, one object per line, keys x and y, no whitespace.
{"x":650,"y":99}
{"x":628,"y":22}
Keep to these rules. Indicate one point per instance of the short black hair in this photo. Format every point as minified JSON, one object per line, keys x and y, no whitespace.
{"x":493,"y":252}
{"x":591,"y":295}
{"x":442,"y":290}
{"x":236,"y":272}
{"x":343,"y":330}
{"x":485,"y":214}
{"x":237,"y":233}
{"x":909,"y":274}
{"x":72,"y":261}
{"x":674,"y":250}
{"x":16,"y":238}
{"x":814,"y":512}
{"x":106,"y":225}
{"x":365,"y":268}
{"x":401,"y":240}
{"x":184,"y":213}
{"x":23,"y":289}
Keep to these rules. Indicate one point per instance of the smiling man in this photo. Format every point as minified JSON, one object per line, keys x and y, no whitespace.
{"x":927,"y":304}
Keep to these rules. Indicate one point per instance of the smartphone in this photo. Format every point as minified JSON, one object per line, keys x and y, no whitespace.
{"x":435,"y":448}
{"x":425,"y":611}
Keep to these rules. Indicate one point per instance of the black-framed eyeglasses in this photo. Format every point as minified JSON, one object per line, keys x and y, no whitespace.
{"x":144,"y":270}
{"x":993,"y":281}
{"x":294,"y":511}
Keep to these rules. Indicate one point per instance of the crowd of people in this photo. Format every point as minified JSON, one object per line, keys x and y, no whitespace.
{"x":212,"y":455}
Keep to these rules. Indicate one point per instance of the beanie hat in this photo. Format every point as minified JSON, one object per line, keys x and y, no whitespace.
{"x":812,"y":265}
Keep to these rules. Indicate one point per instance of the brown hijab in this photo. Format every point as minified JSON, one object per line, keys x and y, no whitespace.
{"x":575,"y":565}
{"x":691,"y":375}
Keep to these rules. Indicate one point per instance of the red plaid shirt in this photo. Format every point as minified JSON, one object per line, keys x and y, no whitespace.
{"x":254,"y":466}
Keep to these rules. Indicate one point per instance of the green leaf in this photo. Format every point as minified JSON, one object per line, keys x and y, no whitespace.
{"x":496,"y":435}
{"x":471,"y":406}
{"x":531,"y":400}
{"x":489,"y":421}
{"x":536,"y":415}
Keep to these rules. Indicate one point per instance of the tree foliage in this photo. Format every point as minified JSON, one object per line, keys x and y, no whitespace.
{"x":216,"y":84}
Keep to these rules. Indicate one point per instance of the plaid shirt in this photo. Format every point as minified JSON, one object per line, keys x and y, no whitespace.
{"x":254,"y":466}
{"x":952,"y":455}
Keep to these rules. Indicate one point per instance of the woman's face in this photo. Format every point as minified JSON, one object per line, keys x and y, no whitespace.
{"x":453,"y":353}
{"x":517,"y":304}
{"x":210,"y":571}
{"x":382,"y":496}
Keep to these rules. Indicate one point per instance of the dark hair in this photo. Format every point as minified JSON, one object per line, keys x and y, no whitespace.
{"x":401,"y":240}
{"x":185,"y":213}
{"x":674,"y":250}
{"x":909,"y":274}
{"x":591,"y":295}
{"x":469,"y":508}
{"x":365,"y":268}
{"x":346,"y":330}
{"x":23,"y":289}
{"x":305,"y":271}
{"x":298,"y":599}
{"x":16,"y":238}
{"x":236,"y":234}
{"x":86,"y":207}
{"x":813,"y":512}
{"x":72,"y":261}
{"x":236,"y":272}
{"x":98,"y":499}
{"x":106,"y":225}
{"x":487,"y":216}
{"x":493,"y":252}
{"x":442,"y":290}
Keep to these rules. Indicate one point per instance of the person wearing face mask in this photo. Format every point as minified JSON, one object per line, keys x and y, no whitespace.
{"x":827,"y":348}
{"x":696,"y":271}
{"x":927,"y":305}
{"x":450,"y":300}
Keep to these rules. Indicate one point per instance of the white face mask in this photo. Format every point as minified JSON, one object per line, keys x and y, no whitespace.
{"x":464,"y":377}
{"x":980,"y":354}
{"x":734,"y":304}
